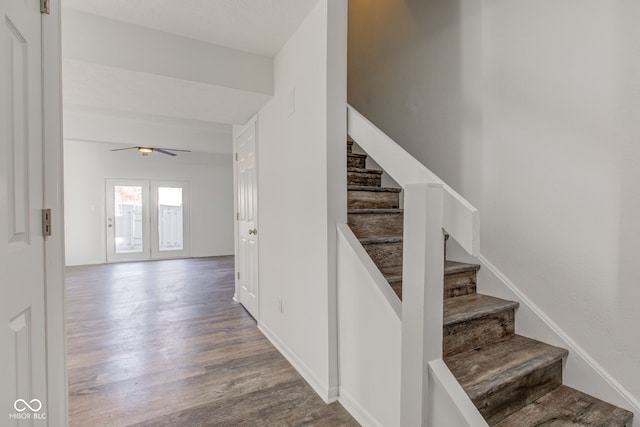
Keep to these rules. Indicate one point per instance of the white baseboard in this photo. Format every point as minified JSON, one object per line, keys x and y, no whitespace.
{"x":352,"y":406}
{"x":328,"y":394}
{"x":582,"y":370}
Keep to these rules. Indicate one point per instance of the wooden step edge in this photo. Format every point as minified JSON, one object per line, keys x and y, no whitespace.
{"x":357,"y":155}
{"x":475,"y":306}
{"x":570,"y":407}
{"x":380,"y":240}
{"x":393,"y":278}
{"x":370,"y":171}
{"x":499,"y":375}
{"x":373,"y":189}
{"x":374,"y":211}
{"x":454,"y":267}
{"x":391,"y":271}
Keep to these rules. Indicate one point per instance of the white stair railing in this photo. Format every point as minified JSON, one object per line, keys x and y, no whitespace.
{"x":429,"y":206}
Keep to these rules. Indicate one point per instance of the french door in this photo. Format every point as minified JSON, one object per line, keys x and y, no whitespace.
{"x":147,"y":220}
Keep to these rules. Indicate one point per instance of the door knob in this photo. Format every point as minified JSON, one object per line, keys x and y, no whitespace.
{"x":254,"y":231}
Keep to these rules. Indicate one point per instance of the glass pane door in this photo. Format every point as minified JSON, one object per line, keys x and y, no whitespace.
{"x":127,"y":219}
{"x":169,"y":219}
{"x":127,"y":223}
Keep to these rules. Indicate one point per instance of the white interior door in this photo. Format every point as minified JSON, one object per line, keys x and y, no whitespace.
{"x":169,"y":219}
{"x":127,"y":220}
{"x":247,"y":205}
{"x":23,"y":387}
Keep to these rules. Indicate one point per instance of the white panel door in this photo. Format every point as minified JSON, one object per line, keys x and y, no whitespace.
{"x":246,"y":178}
{"x":170,"y":234}
{"x":23,"y":356}
{"x":127,"y":220}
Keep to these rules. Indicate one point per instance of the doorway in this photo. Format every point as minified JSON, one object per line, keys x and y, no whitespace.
{"x":147,"y":219}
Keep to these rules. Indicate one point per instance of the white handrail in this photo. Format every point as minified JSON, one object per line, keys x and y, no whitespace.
{"x":460,"y":218}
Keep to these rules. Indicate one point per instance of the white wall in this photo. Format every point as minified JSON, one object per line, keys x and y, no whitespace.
{"x":529,"y":110}
{"x":414,"y":72}
{"x":302,"y":170}
{"x":370,"y":338}
{"x":87,"y":165}
{"x":558,"y":166}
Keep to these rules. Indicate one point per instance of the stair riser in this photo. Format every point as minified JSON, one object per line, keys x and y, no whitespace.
{"x":357,"y":199}
{"x":364,"y":179}
{"x":375,"y":225}
{"x":385,"y":254}
{"x":465,"y":336}
{"x":356,"y":162}
{"x":519,"y":393}
{"x":459,"y":284}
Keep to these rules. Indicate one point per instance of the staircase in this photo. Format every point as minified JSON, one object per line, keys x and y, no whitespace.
{"x":514,"y":381}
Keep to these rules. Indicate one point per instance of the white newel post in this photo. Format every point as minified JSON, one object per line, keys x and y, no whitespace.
{"x":422,"y":296}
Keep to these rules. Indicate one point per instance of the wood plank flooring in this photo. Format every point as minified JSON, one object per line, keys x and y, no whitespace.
{"x":162,"y":343}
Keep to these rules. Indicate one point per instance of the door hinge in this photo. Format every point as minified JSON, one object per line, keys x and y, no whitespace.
{"x":236,"y":157}
{"x":238,"y":275}
{"x":46,"y":222}
{"x":237,"y":216}
{"x":45,"y":7}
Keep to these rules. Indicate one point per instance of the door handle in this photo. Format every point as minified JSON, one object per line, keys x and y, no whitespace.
{"x":254,"y":231}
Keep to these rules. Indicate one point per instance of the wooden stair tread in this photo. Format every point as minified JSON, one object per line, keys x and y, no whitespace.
{"x":380,"y":240}
{"x":393,"y":278}
{"x":374,"y":211}
{"x":486,"y":369}
{"x":473,"y":306}
{"x":392,"y":271}
{"x":374,"y":189}
{"x":453,"y":267}
{"x":357,"y":155}
{"x":359,"y":170}
{"x":565,"y":406}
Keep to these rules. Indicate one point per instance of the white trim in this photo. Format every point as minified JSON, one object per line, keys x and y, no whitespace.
{"x":440,"y":373}
{"x":328,"y":394}
{"x":575,"y":351}
{"x":374,"y":272}
{"x":57,"y":383}
{"x":361,"y":415}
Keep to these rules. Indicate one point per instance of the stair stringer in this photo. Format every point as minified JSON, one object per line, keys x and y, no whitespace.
{"x":580,"y":371}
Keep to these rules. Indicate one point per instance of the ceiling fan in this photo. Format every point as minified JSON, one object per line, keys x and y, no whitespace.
{"x":145,"y":151}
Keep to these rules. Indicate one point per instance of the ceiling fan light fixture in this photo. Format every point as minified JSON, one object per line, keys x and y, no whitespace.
{"x":145,"y":150}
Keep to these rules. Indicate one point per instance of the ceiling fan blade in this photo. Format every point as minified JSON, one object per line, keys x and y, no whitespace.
{"x":160,"y":150}
{"x":174,"y":149}
{"x":120,"y":149}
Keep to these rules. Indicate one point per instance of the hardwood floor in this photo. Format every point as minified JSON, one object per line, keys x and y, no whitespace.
{"x":162,"y":343}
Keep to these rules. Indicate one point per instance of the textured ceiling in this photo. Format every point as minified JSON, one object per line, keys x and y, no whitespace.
{"x":256,"y":26}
